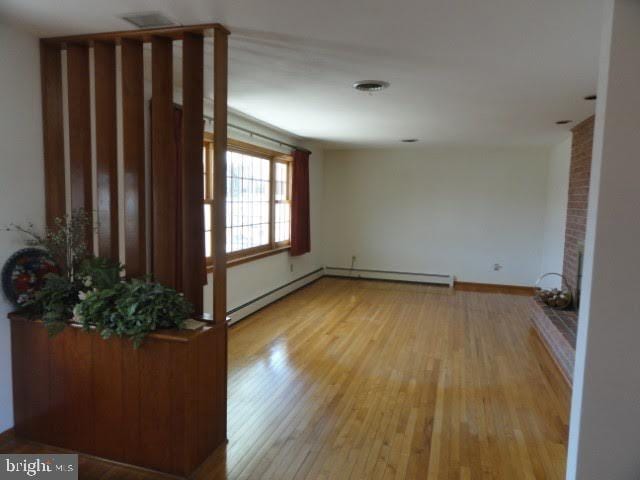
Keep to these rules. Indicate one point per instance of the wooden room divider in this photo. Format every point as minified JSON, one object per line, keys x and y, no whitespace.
{"x":162,"y":406}
{"x":175,"y":231}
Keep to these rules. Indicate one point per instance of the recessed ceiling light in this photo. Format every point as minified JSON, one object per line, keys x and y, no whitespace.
{"x":409,"y":140}
{"x":370,"y":85}
{"x":563,"y":122}
{"x":590,"y":97}
{"x":148,"y":20}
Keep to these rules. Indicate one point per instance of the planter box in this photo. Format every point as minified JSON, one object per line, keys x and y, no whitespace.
{"x":161,"y":406}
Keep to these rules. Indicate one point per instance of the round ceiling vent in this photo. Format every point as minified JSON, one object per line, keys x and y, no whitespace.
{"x":370,"y":85}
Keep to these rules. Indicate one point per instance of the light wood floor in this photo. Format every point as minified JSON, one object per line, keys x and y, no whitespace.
{"x":354,"y":379}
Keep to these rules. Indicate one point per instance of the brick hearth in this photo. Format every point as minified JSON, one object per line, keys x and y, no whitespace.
{"x":558,"y":330}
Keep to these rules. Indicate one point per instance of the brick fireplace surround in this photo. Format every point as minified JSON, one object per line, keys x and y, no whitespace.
{"x":556,"y":327}
{"x":579,"y":175}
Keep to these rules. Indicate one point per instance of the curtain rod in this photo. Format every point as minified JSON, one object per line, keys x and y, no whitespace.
{"x":260,"y":135}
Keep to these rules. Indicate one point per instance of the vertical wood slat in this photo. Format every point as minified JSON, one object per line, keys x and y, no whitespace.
{"x":53,"y":132}
{"x":70,"y":371}
{"x":164,"y":168}
{"x":220,"y":66}
{"x":220,"y":88}
{"x":108,"y":410}
{"x":134,"y":157}
{"x":193,"y":264}
{"x":80,"y":131}
{"x":31,"y":399}
{"x":106,"y":149}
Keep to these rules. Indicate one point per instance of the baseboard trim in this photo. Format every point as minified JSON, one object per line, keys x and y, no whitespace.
{"x":494,"y":288}
{"x":238,"y":313}
{"x":390,"y":275}
{"x":144,"y":470}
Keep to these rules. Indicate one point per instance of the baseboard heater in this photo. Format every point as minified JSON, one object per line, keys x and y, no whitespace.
{"x":252,"y":306}
{"x":416,"y":277}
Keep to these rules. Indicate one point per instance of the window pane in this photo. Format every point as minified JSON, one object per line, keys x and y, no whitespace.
{"x":283,"y":221}
{"x":206,"y":173}
{"x":207,"y":244}
{"x":281,"y":181}
{"x":207,"y":217}
{"x":248,"y":192}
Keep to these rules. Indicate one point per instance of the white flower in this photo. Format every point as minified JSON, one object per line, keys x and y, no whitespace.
{"x":76,"y":313}
{"x":82,"y":296}
{"x":87,"y":281}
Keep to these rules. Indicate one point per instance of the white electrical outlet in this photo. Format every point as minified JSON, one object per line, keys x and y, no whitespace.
{"x":497,"y":267}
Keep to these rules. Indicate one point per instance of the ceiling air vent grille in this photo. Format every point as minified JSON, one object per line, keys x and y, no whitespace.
{"x":370,"y":85}
{"x":148,"y":20}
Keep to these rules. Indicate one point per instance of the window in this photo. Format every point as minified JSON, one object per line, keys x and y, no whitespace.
{"x":248,"y":201}
{"x":207,"y":160}
{"x":282,"y":202}
{"x":258,"y":206}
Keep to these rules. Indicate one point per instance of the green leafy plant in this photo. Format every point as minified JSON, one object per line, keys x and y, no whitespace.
{"x":54,"y":303}
{"x":60,"y":294}
{"x":91,"y":290}
{"x":132,"y":309}
{"x":66,"y":240}
{"x":98,"y":272}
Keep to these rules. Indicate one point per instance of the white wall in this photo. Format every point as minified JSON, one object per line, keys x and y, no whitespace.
{"x":450,"y":211}
{"x":556,"y":211}
{"x":21,"y":170}
{"x":250,"y":280}
{"x":604,"y":437}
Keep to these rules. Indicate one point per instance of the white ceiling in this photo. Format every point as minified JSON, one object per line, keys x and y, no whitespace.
{"x":461,"y":71}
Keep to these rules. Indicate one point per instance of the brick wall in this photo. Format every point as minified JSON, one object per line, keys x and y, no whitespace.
{"x":579,"y":175}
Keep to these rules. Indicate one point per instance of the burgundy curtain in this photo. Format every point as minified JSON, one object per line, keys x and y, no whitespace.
{"x":300,"y":220}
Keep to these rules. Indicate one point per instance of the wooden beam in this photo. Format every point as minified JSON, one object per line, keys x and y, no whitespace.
{"x":192,"y":230}
{"x":53,"y":132}
{"x":164,"y":167}
{"x":80,"y":131}
{"x":104,"y":55}
{"x":134,"y":158}
{"x":220,"y":80}
{"x":144,"y":35}
{"x":220,"y":88}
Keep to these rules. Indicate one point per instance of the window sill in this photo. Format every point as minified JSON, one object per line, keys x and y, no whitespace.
{"x":250,"y":258}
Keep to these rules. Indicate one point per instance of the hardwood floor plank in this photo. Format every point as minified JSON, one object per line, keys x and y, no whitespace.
{"x":371,"y":380}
